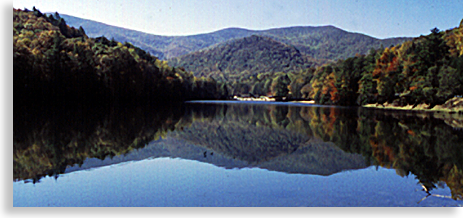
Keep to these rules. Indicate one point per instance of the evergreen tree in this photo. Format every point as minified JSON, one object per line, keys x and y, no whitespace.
{"x":280,"y":85}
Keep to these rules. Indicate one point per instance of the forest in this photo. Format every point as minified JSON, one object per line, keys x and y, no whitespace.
{"x":424,"y":70}
{"x":52,"y":60}
{"x":248,"y":65}
{"x":428,"y":70}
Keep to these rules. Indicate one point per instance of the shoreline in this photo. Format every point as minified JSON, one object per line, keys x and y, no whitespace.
{"x":271,"y":99}
{"x":304,"y":102}
{"x":410,"y":108}
{"x":451,"y":106}
{"x":454,"y":105}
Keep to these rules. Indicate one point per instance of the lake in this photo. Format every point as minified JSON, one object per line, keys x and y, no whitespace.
{"x":230,"y":153}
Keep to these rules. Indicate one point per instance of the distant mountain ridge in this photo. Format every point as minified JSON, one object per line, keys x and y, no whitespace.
{"x":324,"y":42}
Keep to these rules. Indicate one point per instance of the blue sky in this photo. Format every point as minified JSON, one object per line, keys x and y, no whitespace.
{"x":380,"y":18}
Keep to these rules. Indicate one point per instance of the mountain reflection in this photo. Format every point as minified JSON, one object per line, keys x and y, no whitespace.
{"x":291,"y":139}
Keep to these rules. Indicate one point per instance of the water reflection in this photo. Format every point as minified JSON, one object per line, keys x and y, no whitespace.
{"x":50,"y":138}
{"x":291,"y":139}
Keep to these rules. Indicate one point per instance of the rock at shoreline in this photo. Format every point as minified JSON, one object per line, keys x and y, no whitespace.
{"x":454,"y":104}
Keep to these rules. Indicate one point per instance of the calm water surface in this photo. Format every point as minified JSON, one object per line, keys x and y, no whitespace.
{"x":236,"y":154}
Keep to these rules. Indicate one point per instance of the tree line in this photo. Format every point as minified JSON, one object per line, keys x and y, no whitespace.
{"x":52,"y":60}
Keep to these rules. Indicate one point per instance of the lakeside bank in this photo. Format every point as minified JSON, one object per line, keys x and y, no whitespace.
{"x":453,"y":105}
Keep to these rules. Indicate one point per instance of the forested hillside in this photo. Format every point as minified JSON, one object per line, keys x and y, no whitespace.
{"x":427,"y":70}
{"x":244,"y":63}
{"x":148,"y":42}
{"x":53,"y":60}
{"x":328,"y":42}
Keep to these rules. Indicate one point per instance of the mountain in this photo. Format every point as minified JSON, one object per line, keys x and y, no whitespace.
{"x":324,"y":42}
{"x":163,"y":47}
{"x":243,"y":58}
{"x":329,"y":42}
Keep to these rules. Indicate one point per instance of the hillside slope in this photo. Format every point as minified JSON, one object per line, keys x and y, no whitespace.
{"x":143,"y":40}
{"x":329,"y":42}
{"x":255,"y":65}
{"x":244,"y":57}
{"x":163,"y":47}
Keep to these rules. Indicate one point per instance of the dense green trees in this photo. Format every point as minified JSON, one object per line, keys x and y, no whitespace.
{"x":52,"y":60}
{"x":247,"y":64}
{"x":279,"y":85}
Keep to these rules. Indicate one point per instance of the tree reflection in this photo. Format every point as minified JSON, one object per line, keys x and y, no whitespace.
{"x":316,"y":140}
{"x":48,"y":138}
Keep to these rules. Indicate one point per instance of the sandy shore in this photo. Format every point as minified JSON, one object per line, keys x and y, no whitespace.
{"x":305,"y":102}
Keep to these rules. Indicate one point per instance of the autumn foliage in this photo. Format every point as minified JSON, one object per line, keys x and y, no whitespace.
{"x":54,"y":61}
{"x":428,"y":69}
